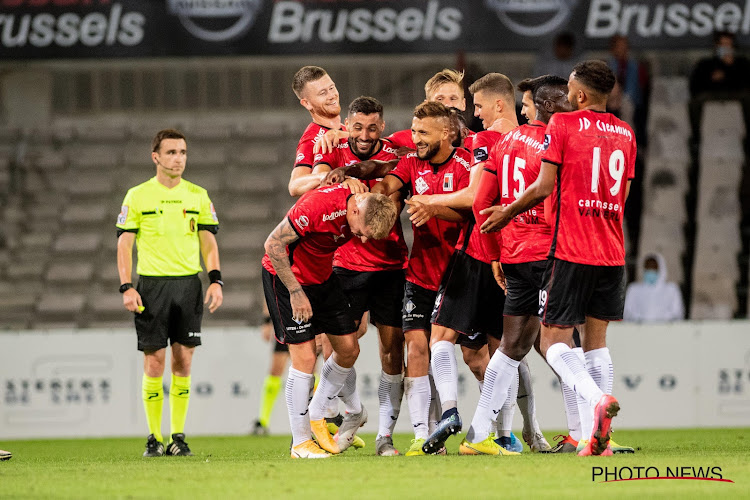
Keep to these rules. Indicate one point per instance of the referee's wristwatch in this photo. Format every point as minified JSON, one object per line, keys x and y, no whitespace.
{"x":125,"y":287}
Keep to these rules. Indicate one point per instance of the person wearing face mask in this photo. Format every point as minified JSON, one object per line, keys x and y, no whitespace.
{"x":654,"y":299}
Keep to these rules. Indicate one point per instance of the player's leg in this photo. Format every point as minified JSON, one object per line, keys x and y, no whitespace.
{"x":386,"y":295}
{"x":445,"y":373}
{"x":271,"y":387}
{"x":303,"y":352}
{"x":179,"y":398}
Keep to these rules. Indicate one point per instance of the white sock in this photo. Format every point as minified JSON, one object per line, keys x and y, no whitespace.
{"x":297,"y":390}
{"x":390,"y":392}
{"x":571,"y":410}
{"x":332,"y":378}
{"x":434,"y":413}
{"x":525,"y":399}
{"x":349,"y":393}
{"x":573,"y":372}
{"x":585,"y":412}
{"x":500,"y":374}
{"x":445,"y":373}
{"x":599,"y":366}
{"x":417,"y":391}
{"x":509,"y":409}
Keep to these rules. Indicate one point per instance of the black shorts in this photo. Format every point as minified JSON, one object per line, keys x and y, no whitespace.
{"x":524,"y":284}
{"x":380,"y":292}
{"x":418,"y":304}
{"x":571,"y":292}
{"x":469,"y":300}
{"x":174,"y":311}
{"x":331,"y":312}
{"x":279,"y":347}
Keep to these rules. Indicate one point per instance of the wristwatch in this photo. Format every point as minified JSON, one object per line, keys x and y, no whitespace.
{"x":125,"y":287}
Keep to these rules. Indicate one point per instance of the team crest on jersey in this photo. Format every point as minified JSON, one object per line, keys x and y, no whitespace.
{"x":123,"y":216}
{"x":213,"y":213}
{"x":448,"y":182}
{"x":421,"y":185}
{"x":302,"y":221}
{"x":545,"y":146}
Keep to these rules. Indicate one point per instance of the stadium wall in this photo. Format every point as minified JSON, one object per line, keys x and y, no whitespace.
{"x":87,"y":383}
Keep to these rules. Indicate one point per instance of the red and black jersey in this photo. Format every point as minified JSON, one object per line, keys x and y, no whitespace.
{"x":375,"y":255}
{"x":319,"y":219}
{"x":434,"y":241}
{"x":312,"y":134}
{"x":515,"y":162}
{"x":595,"y":155}
{"x":482,"y":145}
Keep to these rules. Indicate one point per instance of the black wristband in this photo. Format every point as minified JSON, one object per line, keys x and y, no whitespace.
{"x":125,"y":287}
{"x":215,"y":277}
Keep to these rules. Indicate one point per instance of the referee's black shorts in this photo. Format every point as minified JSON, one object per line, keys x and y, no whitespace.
{"x":330,"y":307}
{"x":173,"y":314}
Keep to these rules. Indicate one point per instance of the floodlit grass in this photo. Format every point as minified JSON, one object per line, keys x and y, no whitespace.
{"x":260,"y":467}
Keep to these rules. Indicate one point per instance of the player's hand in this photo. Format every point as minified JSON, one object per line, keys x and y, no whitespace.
{"x":422,"y":198}
{"x":335,"y":176}
{"x":499,"y":217}
{"x":131,"y":299}
{"x":403,"y":151}
{"x":499,"y":274}
{"x":356,"y":186}
{"x":301,"y":308}
{"x":327,"y":142}
{"x":214,"y":297}
{"x":420,"y":213}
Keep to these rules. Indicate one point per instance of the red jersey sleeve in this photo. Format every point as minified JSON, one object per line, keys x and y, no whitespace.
{"x":554,"y":141}
{"x":332,"y":159}
{"x":305,"y":157}
{"x":302,"y":216}
{"x":403,"y":168}
{"x":486,"y":196}
{"x":480,"y":150}
{"x":402,"y":138}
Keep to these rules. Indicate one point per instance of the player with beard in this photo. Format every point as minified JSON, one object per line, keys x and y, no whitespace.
{"x":589,"y":162}
{"x":317,"y":93}
{"x":436,"y":167}
{"x":513,"y":163}
{"x":372,"y":273}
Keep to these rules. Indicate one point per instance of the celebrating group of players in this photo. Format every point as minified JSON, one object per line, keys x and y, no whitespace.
{"x":518,"y":242}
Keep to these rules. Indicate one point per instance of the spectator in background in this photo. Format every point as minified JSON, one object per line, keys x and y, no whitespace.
{"x":654,"y":299}
{"x":562,"y":59}
{"x":722,"y":76}
{"x":632,"y":80}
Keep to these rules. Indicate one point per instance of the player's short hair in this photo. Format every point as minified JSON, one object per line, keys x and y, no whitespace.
{"x":546,"y":82}
{"x":366,"y":105}
{"x":380,"y":215}
{"x":167,"y":133}
{"x":304,"y":75}
{"x":596,"y":75}
{"x":432,"y":109}
{"x":443,"y":77}
{"x":495,"y":83}
{"x":525,"y":85}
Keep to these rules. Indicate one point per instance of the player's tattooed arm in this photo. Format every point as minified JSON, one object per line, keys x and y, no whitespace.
{"x":500,"y":216}
{"x":365,"y":170}
{"x":276,"y":248}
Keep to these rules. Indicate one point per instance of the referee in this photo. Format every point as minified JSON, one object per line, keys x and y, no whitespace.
{"x":172,"y":221}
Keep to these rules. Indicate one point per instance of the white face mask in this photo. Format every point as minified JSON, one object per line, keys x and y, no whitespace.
{"x":722,"y":52}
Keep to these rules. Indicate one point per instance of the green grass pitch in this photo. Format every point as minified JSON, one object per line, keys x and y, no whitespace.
{"x":260,"y":467}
